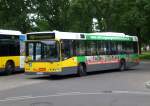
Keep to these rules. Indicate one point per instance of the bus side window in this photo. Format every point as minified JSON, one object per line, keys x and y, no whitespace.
{"x":75,"y":47}
{"x":14,"y":49}
{"x":66,"y":49}
{"x":4,"y":51}
{"x":82,"y":48}
{"x":91,"y":48}
{"x":101,"y":48}
{"x":119,"y":47}
{"x":112,"y":48}
{"x":129,"y":47}
{"x":108,"y":51}
{"x":79,"y":48}
{"x":9,"y":48}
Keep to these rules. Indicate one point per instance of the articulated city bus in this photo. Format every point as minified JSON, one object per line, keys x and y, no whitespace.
{"x":12,"y":51}
{"x":61,"y":53}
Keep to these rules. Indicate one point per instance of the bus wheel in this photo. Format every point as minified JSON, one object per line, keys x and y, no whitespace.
{"x":81,"y":70}
{"x":122,"y":66}
{"x":9,"y":68}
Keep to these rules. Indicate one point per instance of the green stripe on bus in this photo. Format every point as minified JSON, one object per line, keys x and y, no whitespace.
{"x":81,"y":59}
{"x":96,"y":37}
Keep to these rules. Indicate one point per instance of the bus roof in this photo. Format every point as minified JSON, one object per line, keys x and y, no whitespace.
{"x":10,"y":32}
{"x":39,"y":32}
{"x":108,"y":34}
{"x":88,"y":36}
{"x":59,"y":35}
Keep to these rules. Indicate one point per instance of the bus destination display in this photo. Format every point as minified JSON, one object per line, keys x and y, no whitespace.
{"x":41,"y":36}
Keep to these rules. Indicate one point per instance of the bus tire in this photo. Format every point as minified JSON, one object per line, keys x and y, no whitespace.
{"x":82,"y":70}
{"x":122,"y":66}
{"x":9,"y":68}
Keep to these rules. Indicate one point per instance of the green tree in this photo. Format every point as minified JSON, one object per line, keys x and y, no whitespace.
{"x":81,"y":16}
{"x":14,"y":15}
{"x":53,"y":13}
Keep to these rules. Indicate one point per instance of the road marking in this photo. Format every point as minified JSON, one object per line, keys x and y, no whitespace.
{"x":147,"y":84}
{"x":73,"y":94}
{"x":131,"y":92}
{"x":69,"y":93}
{"x":11,"y":98}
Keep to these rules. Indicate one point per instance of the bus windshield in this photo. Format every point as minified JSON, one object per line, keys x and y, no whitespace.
{"x":43,"y":51}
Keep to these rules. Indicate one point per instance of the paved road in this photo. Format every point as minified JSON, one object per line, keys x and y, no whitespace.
{"x":112,"y":88}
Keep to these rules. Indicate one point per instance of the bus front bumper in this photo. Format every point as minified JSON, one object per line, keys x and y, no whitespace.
{"x":64,"y":71}
{"x":37,"y":73}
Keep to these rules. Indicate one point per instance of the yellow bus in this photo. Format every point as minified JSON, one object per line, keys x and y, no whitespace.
{"x":64,"y":53}
{"x":12,"y":51}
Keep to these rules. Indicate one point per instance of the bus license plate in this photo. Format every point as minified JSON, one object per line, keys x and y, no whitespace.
{"x":39,"y":73}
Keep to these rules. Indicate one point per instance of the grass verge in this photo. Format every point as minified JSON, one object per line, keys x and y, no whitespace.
{"x":145,"y":56}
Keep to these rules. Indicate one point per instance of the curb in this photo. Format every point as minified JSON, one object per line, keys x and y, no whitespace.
{"x":145,"y":62}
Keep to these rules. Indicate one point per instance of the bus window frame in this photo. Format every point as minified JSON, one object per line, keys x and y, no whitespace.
{"x":71,"y":49}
